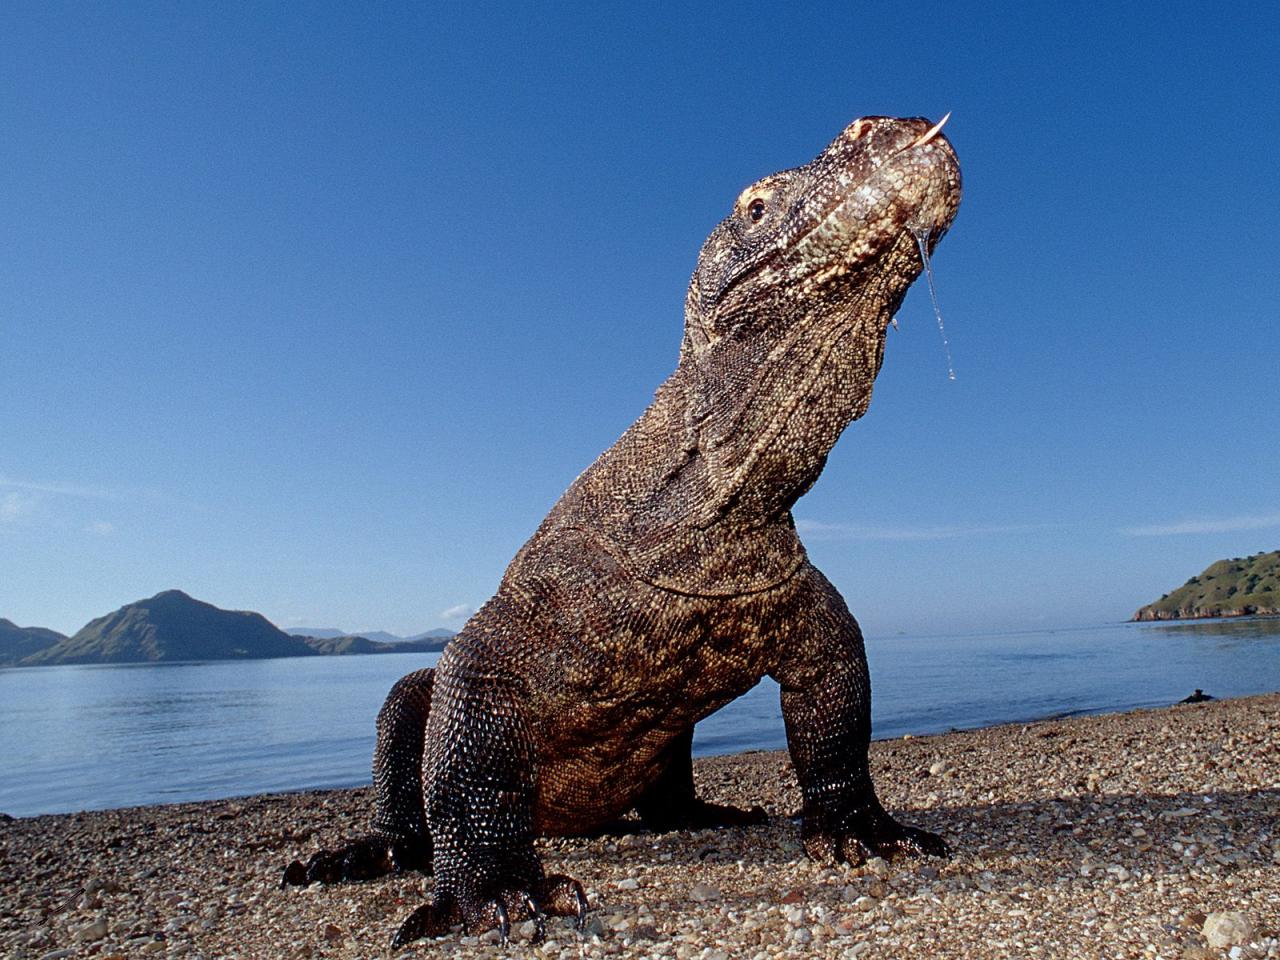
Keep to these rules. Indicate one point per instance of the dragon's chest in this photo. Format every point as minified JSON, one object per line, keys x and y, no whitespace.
{"x":632,"y":697}
{"x":653,"y":676}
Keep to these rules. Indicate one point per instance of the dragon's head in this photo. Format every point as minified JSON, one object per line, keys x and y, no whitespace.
{"x":787,"y":311}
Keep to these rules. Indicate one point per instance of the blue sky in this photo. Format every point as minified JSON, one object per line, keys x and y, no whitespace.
{"x":316,"y":309}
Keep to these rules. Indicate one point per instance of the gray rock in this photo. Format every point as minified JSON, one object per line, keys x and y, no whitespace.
{"x":90,"y":932}
{"x":1227,"y":929}
{"x":702,"y":892}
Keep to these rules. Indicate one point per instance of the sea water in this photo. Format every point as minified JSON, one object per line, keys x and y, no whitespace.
{"x":91,"y":737}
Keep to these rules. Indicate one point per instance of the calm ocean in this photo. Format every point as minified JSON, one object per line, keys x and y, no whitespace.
{"x":90,"y":737}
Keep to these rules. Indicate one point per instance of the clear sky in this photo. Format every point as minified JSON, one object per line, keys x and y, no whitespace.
{"x":316,"y":309}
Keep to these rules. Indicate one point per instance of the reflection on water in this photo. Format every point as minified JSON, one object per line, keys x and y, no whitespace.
{"x":84,"y":737}
{"x":1251,"y":628}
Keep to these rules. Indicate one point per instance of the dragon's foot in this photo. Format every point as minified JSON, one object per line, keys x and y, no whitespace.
{"x":881,"y":837}
{"x":556,"y":895}
{"x":363,"y":859}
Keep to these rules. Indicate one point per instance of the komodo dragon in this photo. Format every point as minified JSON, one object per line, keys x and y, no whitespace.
{"x":669,"y":578}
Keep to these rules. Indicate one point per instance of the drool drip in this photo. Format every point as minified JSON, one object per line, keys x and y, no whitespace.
{"x":922,"y":242}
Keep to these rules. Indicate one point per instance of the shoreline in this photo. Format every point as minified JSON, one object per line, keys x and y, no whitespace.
{"x":1177,"y":616}
{"x":1116,"y":834}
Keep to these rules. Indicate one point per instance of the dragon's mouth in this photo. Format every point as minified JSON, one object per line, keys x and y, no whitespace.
{"x":880,"y":178}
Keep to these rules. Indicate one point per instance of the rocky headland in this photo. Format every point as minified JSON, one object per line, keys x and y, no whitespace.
{"x":1239,"y":587}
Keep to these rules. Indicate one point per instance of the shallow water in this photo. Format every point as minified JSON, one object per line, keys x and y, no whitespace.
{"x":91,"y":737}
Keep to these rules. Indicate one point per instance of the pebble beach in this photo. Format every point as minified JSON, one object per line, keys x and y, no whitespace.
{"x":1152,"y":834}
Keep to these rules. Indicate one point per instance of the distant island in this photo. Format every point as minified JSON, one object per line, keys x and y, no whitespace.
{"x":1240,"y":587}
{"x":172,"y":626}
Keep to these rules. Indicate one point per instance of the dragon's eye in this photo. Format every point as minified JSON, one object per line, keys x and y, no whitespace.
{"x":755,"y":210}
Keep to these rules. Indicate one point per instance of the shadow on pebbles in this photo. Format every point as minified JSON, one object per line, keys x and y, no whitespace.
{"x":1153,"y":834}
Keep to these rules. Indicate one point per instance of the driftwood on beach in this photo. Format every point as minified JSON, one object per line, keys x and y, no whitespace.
{"x":1148,"y":834}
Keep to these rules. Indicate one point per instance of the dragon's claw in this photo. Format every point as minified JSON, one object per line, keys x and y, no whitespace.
{"x":556,"y":895}
{"x":885,"y":838}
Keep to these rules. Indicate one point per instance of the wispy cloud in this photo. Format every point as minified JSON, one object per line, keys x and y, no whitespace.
{"x":1205,"y":525}
{"x":459,"y":612}
{"x":817,"y":530}
{"x":14,"y":505}
{"x":58,"y":488}
{"x":101,"y":527}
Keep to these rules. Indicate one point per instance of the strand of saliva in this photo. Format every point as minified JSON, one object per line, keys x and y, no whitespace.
{"x":921,"y":242}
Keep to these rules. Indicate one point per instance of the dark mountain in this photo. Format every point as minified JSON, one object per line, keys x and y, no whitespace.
{"x":345,"y":644}
{"x":342,"y":646}
{"x":432,"y":642}
{"x":439,"y":633}
{"x":17,"y":643}
{"x":1240,"y":587}
{"x":380,"y":636}
{"x":172,"y":626}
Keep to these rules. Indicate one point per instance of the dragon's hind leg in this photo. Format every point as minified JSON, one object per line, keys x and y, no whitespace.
{"x":669,"y":803}
{"x":400,"y":840}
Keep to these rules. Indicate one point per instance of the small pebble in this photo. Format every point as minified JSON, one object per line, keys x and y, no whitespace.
{"x":95,"y":930}
{"x":703,"y":892}
{"x":878,"y":866}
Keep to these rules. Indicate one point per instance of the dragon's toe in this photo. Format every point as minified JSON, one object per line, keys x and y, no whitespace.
{"x":429,"y":920}
{"x":884,"y":838}
{"x":363,"y":859}
{"x":557,"y":895}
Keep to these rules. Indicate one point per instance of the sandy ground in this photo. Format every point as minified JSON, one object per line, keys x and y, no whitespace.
{"x":1148,"y":834}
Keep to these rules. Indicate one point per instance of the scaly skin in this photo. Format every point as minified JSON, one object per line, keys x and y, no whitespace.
{"x":669,"y":578}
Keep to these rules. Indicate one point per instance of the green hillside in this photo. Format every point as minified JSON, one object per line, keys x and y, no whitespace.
{"x":172,"y":626}
{"x":17,"y":643}
{"x":1239,"y":587}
